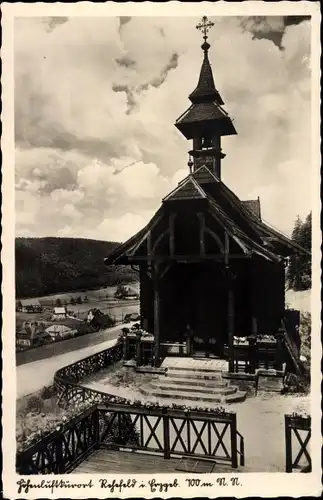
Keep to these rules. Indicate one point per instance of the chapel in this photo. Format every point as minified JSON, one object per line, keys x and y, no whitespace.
{"x":208,"y":265}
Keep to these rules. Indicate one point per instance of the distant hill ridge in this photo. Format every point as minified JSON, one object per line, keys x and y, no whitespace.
{"x":54,"y":265}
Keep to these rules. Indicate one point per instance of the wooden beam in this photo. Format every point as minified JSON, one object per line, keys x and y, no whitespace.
{"x":146,"y":235}
{"x":231,"y":327}
{"x":135,"y":248}
{"x":187,"y":258}
{"x":226,"y":248}
{"x":202,"y":233}
{"x":149,"y":249}
{"x":216,"y":238}
{"x":254,"y":326}
{"x":158,"y":240}
{"x":172,"y":233}
{"x":167,"y":268}
{"x":156,"y":286}
{"x":230,"y":302}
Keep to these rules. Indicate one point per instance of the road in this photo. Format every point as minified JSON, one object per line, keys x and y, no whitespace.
{"x":38,"y":373}
{"x":64,"y":346}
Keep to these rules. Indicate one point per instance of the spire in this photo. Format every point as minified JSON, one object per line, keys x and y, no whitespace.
{"x":205,"y":90}
{"x":205,"y":121}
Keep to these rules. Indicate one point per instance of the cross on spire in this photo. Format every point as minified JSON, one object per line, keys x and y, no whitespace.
{"x":205,"y":25}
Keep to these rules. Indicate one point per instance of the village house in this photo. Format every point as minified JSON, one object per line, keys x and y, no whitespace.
{"x":59,"y":313}
{"x":29,"y":306}
{"x":98,"y":319}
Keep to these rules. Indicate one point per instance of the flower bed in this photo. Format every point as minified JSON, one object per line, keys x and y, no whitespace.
{"x":41,"y":415}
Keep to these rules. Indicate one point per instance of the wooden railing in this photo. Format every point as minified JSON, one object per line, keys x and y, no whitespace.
{"x":66,"y":380}
{"x":61,"y":451}
{"x":291,"y":349}
{"x":161,"y":430}
{"x":297,"y":438}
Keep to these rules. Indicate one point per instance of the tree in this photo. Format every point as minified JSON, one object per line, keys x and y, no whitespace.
{"x":86,"y":299}
{"x":73,"y":301}
{"x":292,"y":270}
{"x":56,"y":265}
{"x":305,"y":260}
{"x":58,"y":302}
{"x":79,"y":300}
{"x":300,"y":268}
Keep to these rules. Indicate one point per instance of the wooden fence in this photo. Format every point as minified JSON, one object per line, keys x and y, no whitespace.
{"x":297,"y":439}
{"x":66,"y":380}
{"x":163,"y":431}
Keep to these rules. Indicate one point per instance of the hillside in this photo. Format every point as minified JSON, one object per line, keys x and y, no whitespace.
{"x":49,"y":265}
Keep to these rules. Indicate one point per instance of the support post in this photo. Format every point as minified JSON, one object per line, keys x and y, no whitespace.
{"x":138,"y":349}
{"x":166,"y":434}
{"x":156,"y":285}
{"x":125,"y":342}
{"x":60,"y":466}
{"x":202,"y":233}
{"x":231,"y":327}
{"x":230,"y":302}
{"x":254,"y":326}
{"x":172,"y":234}
{"x":96,"y":424}
{"x":233,"y":438}
{"x":279,"y":352}
{"x":253,"y":346}
{"x":288,"y":445}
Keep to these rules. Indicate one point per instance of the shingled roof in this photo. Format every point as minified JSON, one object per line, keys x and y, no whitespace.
{"x":205,"y":89}
{"x":205,"y":112}
{"x":253,"y":206}
{"x":251,"y":234}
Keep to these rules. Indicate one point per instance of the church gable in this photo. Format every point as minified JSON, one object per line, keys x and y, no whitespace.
{"x":204,"y":176}
{"x":187,"y":190}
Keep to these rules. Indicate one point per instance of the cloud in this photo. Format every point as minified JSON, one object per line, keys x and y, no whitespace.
{"x":95,"y":104}
{"x":53,"y":22}
{"x":124,"y":20}
{"x":270,"y":27}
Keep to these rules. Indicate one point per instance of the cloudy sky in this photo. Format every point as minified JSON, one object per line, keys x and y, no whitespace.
{"x":95,"y":104}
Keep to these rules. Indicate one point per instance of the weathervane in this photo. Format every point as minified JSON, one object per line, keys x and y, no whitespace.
{"x":205,"y":25}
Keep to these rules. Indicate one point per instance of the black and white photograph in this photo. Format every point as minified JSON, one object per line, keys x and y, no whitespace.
{"x":163,"y":249}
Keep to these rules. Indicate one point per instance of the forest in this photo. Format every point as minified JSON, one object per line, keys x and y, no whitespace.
{"x":50,"y":265}
{"x":299,"y":271}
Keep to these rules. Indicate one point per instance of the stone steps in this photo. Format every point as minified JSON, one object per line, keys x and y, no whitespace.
{"x":196,"y":374}
{"x":200,"y":389}
{"x":190,"y":381}
{"x":183,"y":396}
{"x":198,"y":382}
{"x":204,"y":369}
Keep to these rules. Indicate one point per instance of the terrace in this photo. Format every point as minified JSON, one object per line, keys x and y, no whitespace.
{"x":138,"y":433}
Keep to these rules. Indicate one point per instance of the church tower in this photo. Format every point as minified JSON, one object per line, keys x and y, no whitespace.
{"x":205,"y":121}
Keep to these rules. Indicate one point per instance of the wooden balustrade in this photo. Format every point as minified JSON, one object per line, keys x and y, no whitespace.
{"x":299,"y":427}
{"x":166,"y":431}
